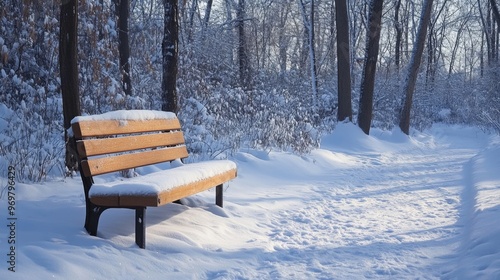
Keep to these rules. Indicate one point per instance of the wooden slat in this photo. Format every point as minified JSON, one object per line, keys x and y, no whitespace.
{"x":94,"y":147}
{"x":167,"y":196}
{"x":138,"y":200}
{"x":113,"y":127}
{"x":193,"y":188}
{"x":97,"y":166}
{"x":106,"y":200}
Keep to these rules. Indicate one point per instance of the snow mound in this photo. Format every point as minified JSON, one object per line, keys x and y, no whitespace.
{"x":480,"y":248}
{"x":347,"y":137}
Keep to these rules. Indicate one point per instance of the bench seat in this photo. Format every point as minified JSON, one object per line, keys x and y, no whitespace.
{"x":162,"y":187}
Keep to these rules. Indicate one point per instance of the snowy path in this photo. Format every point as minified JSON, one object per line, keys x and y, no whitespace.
{"x":393,"y":214}
{"x":381,"y":207}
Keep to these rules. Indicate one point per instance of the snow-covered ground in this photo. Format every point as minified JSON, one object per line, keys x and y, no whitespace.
{"x":383,"y":206}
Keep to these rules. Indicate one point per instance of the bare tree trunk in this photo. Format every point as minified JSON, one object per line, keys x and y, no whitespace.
{"x":244,"y":65}
{"x":481,"y":57}
{"x":69,"y":74}
{"x":494,"y":48}
{"x":100,"y":25}
{"x":208,"y":10}
{"x":312,"y":57}
{"x":496,"y":16}
{"x":399,"y":34}
{"x":206,"y":19}
{"x":370,"y":66}
{"x":192,"y":12}
{"x":229,"y":18}
{"x":283,"y":41}
{"x":486,"y":30}
{"x":343,"y":62}
{"x":407,"y":30}
{"x":431,"y":49}
{"x":332,"y":39}
{"x":123,"y":13}
{"x":434,"y":49}
{"x":409,"y":88}
{"x":455,"y":48}
{"x":309,"y":27}
{"x":170,"y":47}
{"x":491,"y":36}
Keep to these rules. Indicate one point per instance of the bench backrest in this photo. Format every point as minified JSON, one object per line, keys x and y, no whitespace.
{"x":106,"y":146}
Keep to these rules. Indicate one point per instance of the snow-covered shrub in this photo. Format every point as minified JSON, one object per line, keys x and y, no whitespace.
{"x":30,"y":103}
{"x":30,"y":143}
{"x":218,"y":118}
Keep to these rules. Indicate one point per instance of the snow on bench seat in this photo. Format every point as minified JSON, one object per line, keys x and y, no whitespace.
{"x":165,"y":186}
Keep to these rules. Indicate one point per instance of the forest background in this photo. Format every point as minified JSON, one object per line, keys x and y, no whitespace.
{"x":251,"y":74}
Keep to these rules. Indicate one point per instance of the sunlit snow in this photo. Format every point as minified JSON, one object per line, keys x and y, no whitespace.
{"x":383,"y":206}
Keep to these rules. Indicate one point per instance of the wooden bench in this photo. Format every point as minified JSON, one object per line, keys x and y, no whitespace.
{"x":123,"y":140}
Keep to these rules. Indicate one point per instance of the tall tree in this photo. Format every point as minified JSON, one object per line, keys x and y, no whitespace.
{"x":229,"y":32}
{"x":309,"y":26}
{"x":192,"y":11}
{"x":411,"y":79}
{"x":496,"y":13}
{"x":456,"y":45}
{"x":170,"y":52}
{"x":399,"y":34}
{"x":206,"y":19}
{"x":343,"y":61}
{"x":370,"y":66}
{"x":208,"y":10}
{"x":489,"y":30}
{"x":244,"y":63}
{"x":435,"y":36}
{"x":123,"y":13}
{"x":69,"y":73}
{"x":485,"y":34}
{"x":283,"y":40}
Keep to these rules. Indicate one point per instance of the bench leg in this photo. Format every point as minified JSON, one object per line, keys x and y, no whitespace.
{"x":218,"y":195}
{"x":178,"y":201}
{"x":92,"y":218}
{"x":140,"y":227}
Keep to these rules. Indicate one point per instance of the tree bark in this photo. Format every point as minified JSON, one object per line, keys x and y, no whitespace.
{"x":370,"y":66}
{"x":123,"y":13}
{"x":496,"y":13}
{"x":486,"y":30}
{"x":309,"y":26}
{"x":244,"y":67}
{"x":208,"y":10}
{"x":283,"y":40}
{"x":456,"y":46}
{"x":434,"y":47}
{"x":206,"y":19}
{"x":69,"y":74}
{"x":170,"y":46}
{"x":343,"y":62}
{"x":192,"y":12}
{"x":229,"y":33}
{"x":409,"y":88}
{"x":490,"y":36}
{"x":399,"y":35}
